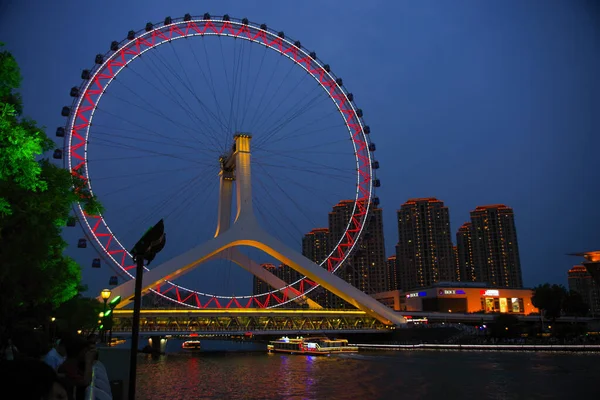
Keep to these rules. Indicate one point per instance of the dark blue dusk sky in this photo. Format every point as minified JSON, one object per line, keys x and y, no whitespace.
{"x":472,"y":102}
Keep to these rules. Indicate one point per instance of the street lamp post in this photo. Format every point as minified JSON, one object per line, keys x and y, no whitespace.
{"x":105,"y":296}
{"x":151,"y":243}
{"x":113,"y":303}
{"x":53,"y":328}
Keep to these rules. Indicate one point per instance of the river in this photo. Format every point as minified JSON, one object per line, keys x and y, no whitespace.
{"x":370,"y":375}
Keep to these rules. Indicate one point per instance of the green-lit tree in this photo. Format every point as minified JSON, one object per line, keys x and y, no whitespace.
{"x":35,"y":201}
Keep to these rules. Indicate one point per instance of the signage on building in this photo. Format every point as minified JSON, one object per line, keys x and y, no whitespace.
{"x":416,"y":294}
{"x":490,"y":292}
{"x":449,"y":292}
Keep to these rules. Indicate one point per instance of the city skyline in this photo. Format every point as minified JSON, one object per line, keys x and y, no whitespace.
{"x":423,"y":223}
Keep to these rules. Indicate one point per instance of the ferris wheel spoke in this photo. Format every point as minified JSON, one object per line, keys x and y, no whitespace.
{"x":300,"y":163}
{"x":306,"y":149}
{"x":190,"y":88}
{"x":290,"y":198}
{"x":241,"y":88}
{"x":312,"y":162}
{"x":152,"y":153}
{"x":181,"y":102}
{"x":300,"y":132}
{"x":152,"y":110}
{"x":264,"y":112}
{"x":326,"y":194}
{"x":259,"y":106}
{"x":200,"y":186}
{"x":340,"y":177}
{"x":268,"y":128}
{"x":282,"y":123}
{"x":138,"y":139}
{"x":129,"y":176}
{"x":167,"y":95}
{"x":162,"y":203}
{"x":210,"y":84}
{"x":283,"y":216}
{"x":153,"y":113}
{"x":229,"y":91}
{"x":234,"y":79}
{"x":126,"y":120}
{"x":115,"y":131}
{"x":270,"y":219}
{"x":250,"y":95}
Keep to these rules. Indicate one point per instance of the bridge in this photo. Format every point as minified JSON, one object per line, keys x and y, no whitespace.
{"x":240,"y":321}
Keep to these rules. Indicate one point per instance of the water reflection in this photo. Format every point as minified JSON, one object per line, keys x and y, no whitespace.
{"x":407,"y":375}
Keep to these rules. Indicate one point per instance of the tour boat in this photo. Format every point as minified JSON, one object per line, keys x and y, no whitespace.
{"x":191,"y":345}
{"x":310,"y":346}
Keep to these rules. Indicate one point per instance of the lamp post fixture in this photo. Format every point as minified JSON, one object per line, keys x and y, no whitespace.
{"x":105,"y":296}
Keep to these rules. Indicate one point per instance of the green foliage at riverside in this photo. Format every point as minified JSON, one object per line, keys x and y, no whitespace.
{"x":78,"y":313}
{"x":35,"y":201}
{"x":555,"y":300}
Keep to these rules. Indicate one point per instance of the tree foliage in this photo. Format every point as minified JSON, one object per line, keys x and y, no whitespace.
{"x":78,"y":313}
{"x":548,"y":299}
{"x":574,"y":305}
{"x":555,"y":300}
{"x":35,"y":202}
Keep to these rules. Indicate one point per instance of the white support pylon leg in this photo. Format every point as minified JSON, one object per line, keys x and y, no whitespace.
{"x":225,"y":197}
{"x":226,"y":179}
{"x":247,"y":232}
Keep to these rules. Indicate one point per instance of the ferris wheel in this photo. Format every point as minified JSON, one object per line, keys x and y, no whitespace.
{"x":154,"y":116}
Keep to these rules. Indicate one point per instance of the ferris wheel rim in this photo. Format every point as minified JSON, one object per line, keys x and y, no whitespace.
{"x":336,"y":88}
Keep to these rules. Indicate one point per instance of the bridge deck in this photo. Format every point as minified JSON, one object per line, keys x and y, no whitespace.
{"x":265,"y":321}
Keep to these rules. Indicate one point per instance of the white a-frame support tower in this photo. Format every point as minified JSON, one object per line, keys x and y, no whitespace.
{"x":245,"y":231}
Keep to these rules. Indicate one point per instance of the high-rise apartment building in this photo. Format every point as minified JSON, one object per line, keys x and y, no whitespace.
{"x":464,"y":253}
{"x":457,"y":273}
{"x":366,"y":267}
{"x":259,"y":286}
{"x":316,"y":247}
{"x":581,"y":281}
{"x":392,"y":273}
{"x":282,"y":271}
{"x":424,"y":252}
{"x":495,"y":248}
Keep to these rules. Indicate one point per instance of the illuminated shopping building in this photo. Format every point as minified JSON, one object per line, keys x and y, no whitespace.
{"x":424,"y":252}
{"x":460,"y":298}
{"x":495,"y":248}
{"x":581,"y":281}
